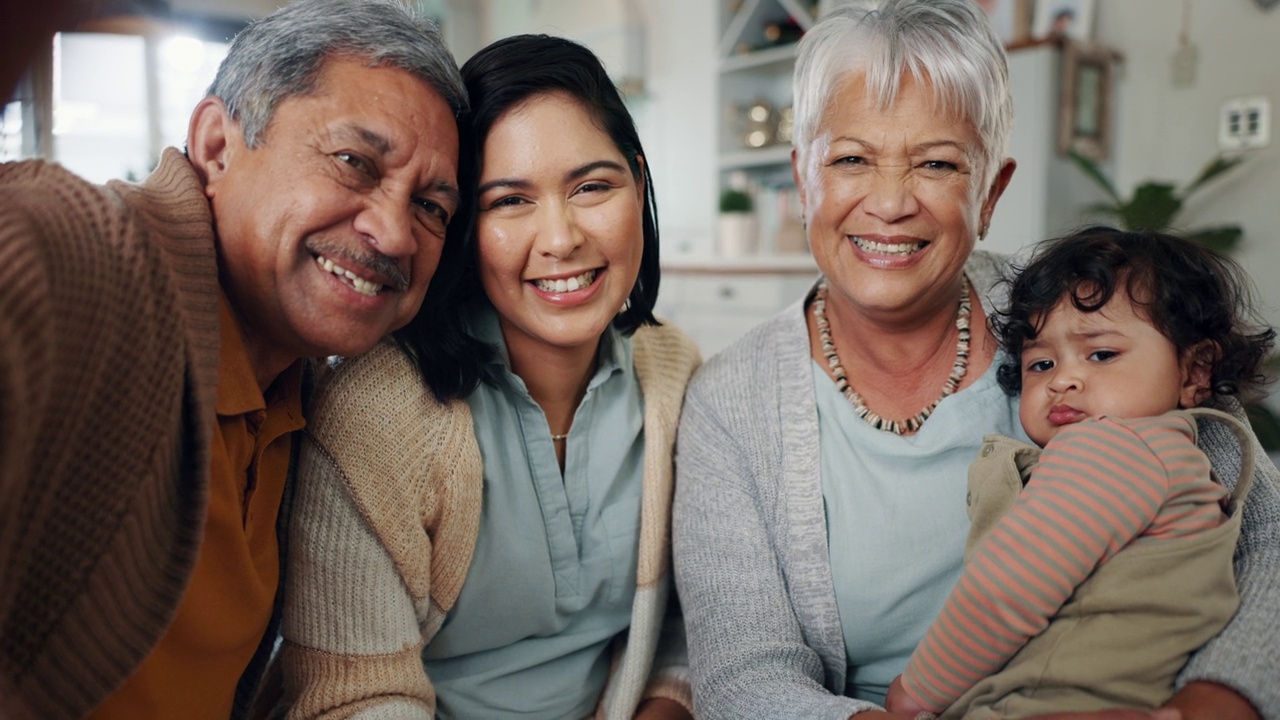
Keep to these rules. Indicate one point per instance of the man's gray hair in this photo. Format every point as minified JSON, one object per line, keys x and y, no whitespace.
{"x":948,"y":43}
{"x":282,"y":54}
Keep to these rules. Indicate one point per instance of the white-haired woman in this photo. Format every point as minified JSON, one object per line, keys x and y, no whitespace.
{"x":820,"y":506}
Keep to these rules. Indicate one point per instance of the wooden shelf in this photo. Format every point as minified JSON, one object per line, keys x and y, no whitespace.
{"x":755,"y":158}
{"x":782,"y":56}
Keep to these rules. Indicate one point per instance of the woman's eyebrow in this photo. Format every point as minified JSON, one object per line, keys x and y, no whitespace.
{"x":593,"y":166}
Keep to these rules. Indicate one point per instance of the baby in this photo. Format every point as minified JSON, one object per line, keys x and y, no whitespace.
{"x":1100,"y":560}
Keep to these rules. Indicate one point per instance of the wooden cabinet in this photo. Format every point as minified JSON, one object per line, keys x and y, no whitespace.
{"x":715,"y":302}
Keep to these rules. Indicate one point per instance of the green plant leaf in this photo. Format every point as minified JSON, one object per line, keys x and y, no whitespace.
{"x":732,"y":200}
{"x":1090,"y":169}
{"x":1216,"y":167}
{"x":1153,"y":207}
{"x":1221,"y":238}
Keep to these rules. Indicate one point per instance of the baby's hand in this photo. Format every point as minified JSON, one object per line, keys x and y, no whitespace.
{"x":898,"y":701}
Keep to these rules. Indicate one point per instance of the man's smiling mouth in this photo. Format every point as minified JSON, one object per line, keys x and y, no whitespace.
{"x":357,"y":283}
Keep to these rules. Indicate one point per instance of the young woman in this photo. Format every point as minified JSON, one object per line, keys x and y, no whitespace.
{"x":483,"y":511}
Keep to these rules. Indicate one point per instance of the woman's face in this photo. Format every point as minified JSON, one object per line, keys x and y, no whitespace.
{"x":892,"y":199}
{"x":560,"y":224}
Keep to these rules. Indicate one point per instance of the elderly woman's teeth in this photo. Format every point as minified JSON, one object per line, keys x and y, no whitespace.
{"x":362,"y":286}
{"x":566,"y":284}
{"x":880,"y":248}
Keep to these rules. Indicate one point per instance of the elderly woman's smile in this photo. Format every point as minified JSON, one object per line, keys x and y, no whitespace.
{"x":877,"y":247}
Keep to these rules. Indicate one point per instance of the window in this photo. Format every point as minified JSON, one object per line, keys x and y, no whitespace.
{"x":113,"y":101}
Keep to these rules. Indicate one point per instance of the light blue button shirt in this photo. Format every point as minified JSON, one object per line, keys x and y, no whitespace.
{"x":553,"y":576}
{"x":896,"y":519}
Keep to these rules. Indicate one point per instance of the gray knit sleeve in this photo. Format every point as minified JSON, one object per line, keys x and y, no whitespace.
{"x":1246,"y":654}
{"x":747,"y":652}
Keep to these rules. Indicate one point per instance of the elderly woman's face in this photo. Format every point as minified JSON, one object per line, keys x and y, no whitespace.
{"x":892,"y":199}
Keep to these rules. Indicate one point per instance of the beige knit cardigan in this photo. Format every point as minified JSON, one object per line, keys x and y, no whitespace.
{"x":387,"y":511}
{"x":108,"y":375}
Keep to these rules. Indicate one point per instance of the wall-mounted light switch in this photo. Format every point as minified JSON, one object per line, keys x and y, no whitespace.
{"x":1245,"y":123}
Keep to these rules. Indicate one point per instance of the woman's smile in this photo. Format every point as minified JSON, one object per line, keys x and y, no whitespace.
{"x":569,"y":290}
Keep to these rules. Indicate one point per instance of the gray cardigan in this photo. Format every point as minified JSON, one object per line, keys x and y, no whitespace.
{"x":750,"y":540}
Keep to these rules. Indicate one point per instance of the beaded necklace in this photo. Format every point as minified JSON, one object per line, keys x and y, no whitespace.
{"x":913,"y":423}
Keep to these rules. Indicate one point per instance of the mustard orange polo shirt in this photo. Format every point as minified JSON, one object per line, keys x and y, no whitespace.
{"x":192,"y":673}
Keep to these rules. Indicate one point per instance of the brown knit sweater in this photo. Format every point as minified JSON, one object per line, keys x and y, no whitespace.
{"x":108,"y":375}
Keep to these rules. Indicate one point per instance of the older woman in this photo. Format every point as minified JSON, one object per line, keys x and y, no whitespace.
{"x":820,"y":504}
{"x":482,"y":522}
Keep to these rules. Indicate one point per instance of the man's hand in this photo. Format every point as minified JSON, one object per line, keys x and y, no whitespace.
{"x":660,"y":708}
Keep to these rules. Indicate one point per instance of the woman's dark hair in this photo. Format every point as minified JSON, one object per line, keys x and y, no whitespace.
{"x":499,"y":78}
{"x":1190,"y":293}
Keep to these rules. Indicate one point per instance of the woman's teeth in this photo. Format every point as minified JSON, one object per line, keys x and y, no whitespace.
{"x":362,"y":286}
{"x":879,"y":248}
{"x":566,"y":284}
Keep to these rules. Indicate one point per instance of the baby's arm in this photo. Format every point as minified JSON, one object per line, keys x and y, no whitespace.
{"x":1098,"y":486}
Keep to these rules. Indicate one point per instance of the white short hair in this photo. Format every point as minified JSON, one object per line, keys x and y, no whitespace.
{"x":948,"y":43}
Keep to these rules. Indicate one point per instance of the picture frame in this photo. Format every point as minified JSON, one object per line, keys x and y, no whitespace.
{"x":1063,"y":19}
{"x":1084,"y":108}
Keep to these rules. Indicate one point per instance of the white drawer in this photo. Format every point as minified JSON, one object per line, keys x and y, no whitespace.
{"x":747,"y":294}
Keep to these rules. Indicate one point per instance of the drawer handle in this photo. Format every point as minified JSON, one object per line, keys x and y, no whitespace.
{"x":726,"y":292}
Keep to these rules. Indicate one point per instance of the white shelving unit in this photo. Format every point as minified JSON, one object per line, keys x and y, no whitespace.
{"x":716,"y":298}
{"x":755,"y":69}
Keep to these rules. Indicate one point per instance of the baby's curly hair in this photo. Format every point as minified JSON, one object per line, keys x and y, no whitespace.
{"x":1189,"y":293}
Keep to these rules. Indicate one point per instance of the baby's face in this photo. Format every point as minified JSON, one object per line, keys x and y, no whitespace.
{"x":1110,"y":362}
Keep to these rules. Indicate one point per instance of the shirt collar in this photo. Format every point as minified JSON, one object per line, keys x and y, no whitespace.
{"x":238,"y":391}
{"x":613,"y":354}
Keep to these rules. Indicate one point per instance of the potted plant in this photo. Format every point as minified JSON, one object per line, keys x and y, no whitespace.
{"x":737,"y":234}
{"x":1155,"y":205}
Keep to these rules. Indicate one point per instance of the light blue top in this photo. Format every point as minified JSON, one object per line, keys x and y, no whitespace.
{"x":889,"y":497}
{"x":553,"y":576}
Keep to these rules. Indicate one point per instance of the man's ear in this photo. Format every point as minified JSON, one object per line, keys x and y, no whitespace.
{"x":1197,"y":373}
{"x":212,"y":137}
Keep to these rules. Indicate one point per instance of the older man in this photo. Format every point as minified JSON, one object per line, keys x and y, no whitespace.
{"x":152,"y":348}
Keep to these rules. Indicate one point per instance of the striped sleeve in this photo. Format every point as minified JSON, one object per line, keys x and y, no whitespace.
{"x":1098,"y":486}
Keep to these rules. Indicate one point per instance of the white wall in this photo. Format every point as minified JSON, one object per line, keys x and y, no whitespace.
{"x":1167,"y":132}
{"x":677,"y":120}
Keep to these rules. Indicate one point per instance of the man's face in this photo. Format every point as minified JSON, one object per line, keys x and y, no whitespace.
{"x":329,"y":231}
